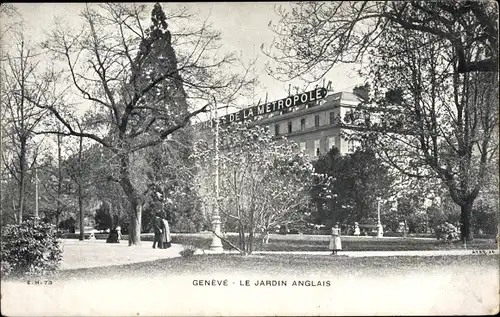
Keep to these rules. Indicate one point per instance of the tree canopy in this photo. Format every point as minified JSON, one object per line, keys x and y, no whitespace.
{"x":427,"y":119}
{"x":312,"y":37}
{"x":143,"y":84}
{"x":263,"y":182}
{"x":358,"y":180}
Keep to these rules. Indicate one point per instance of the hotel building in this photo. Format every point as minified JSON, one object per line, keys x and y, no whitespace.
{"x":316,"y":127}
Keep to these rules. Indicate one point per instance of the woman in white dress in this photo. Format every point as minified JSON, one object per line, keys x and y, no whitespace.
{"x":335,"y":242}
{"x":165,"y":237}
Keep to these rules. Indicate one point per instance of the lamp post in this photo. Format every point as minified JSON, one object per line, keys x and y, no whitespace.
{"x":380,"y":230}
{"x":36,"y":192}
{"x":216,"y":245}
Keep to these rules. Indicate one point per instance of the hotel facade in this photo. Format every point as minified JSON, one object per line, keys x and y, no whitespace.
{"x":313,"y":120}
{"x":316,"y":127}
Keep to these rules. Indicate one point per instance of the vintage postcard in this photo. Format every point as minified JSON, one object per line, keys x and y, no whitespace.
{"x":251,"y":158}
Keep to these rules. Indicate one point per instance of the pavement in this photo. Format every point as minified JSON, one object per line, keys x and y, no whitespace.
{"x":86,"y":254}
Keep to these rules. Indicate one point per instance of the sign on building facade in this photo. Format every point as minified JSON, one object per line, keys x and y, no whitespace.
{"x":252,"y":112}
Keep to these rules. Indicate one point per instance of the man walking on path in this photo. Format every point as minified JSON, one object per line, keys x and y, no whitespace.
{"x":158,"y":228}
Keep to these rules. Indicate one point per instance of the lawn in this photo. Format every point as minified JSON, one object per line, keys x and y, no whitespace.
{"x":286,"y":264}
{"x":303,"y":242}
{"x":299,"y":242}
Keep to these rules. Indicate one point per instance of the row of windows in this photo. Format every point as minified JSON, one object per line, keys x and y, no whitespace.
{"x":333,"y":120}
{"x":317,"y":147}
{"x":351,"y":145}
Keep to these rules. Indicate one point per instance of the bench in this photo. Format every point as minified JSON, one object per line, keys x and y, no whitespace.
{"x":365,"y":229}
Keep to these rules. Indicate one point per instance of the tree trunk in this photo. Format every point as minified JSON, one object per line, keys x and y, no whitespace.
{"x":22,"y":180}
{"x":134,"y":232}
{"x":251,"y":232}
{"x":59,"y":177}
{"x":465,"y":221}
{"x":241,"y":235}
{"x":250,"y":240}
{"x":80,"y":188}
{"x":80,"y":211}
{"x":111,"y":216}
{"x":266,"y":237}
{"x":134,"y":229}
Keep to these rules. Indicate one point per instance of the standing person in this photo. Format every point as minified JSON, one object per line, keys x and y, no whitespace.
{"x":166,"y":238}
{"x":335,"y":242}
{"x":119,"y":231}
{"x":157,"y":228}
{"x":357,"y":232}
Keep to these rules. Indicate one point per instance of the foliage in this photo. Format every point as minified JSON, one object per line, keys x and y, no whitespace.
{"x":432,"y":68}
{"x":186,"y":223}
{"x":171,"y":178}
{"x":359,"y":179}
{"x":485,"y":218}
{"x":103,"y":218}
{"x":31,"y":248}
{"x":68,"y":224}
{"x":446,"y":131}
{"x":263,"y":182}
{"x":447,"y":232}
{"x":5,"y":269}
{"x":187,"y":251}
{"x":55,"y":185}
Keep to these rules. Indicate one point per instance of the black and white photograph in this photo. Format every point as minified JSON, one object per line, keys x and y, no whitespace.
{"x":335,"y":158}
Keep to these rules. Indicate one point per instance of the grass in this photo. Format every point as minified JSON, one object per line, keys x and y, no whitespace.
{"x":349,"y":243}
{"x":303,"y":242}
{"x":286,"y":264}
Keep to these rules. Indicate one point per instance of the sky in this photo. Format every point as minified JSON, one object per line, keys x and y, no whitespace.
{"x":244,"y":28}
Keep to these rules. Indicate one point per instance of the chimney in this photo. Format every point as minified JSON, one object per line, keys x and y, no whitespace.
{"x":362,"y":91}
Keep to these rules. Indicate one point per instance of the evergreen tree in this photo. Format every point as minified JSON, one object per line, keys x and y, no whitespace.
{"x":136,"y":89}
{"x":168,"y":165}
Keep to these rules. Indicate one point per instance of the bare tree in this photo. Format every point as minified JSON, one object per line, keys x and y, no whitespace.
{"x":54,"y":184}
{"x":7,"y":12}
{"x":315,"y":36}
{"x":263,"y":182}
{"x":137,"y":82}
{"x":21,"y":116}
{"x":429,"y":120}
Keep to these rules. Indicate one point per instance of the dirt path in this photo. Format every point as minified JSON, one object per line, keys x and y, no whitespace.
{"x":86,"y":254}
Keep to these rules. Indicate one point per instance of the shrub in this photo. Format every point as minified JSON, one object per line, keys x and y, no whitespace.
{"x":484,"y":218}
{"x":68,"y":225}
{"x":447,"y":232}
{"x":187,"y":251}
{"x":102,"y":218}
{"x":30,"y":248}
{"x":5,"y":269}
